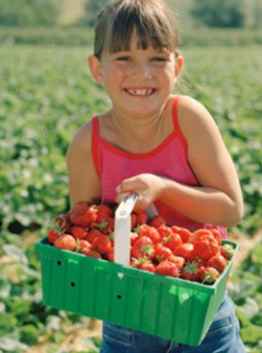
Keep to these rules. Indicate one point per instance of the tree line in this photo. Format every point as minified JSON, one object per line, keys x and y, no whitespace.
{"x":211,"y":13}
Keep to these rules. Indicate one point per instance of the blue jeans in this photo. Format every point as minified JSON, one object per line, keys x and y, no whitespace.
{"x":222,"y":337}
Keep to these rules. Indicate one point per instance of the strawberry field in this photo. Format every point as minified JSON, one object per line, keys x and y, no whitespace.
{"x":46,"y":93}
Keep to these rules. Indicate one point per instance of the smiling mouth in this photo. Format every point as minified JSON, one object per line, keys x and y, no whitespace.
{"x":140,"y":92}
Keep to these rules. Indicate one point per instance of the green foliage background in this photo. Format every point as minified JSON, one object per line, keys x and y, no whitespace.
{"x":46,"y":94}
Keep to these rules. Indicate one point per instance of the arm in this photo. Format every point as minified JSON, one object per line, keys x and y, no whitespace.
{"x":84,"y":183}
{"x":219,"y":199}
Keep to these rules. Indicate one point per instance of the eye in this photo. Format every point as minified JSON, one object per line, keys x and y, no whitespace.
{"x":160,"y":59}
{"x":122,"y":58}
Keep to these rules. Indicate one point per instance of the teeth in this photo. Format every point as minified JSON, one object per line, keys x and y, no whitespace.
{"x":140,"y":92}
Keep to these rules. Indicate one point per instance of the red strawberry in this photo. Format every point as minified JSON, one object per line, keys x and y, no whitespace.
{"x":143,"y":247}
{"x":102,"y":244}
{"x":66,"y":241}
{"x":201,"y":234}
{"x":134,"y":237}
{"x":63,"y":222}
{"x":141,"y":217}
{"x":106,"y":224}
{"x":167,"y":268}
{"x":208,"y":275}
{"x":78,"y":232}
{"x":164,"y":231}
{"x":162,"y":252}
{"x":191,"y":271}
{"x":83,"y":246}
{"x":172,"y":241}
{"x":185,"y":234}
{"x":133,"y":220}
{"x":205,"y":247}
{"x":82,"y":214}
{"x":151,"y":232}
{"x":92,"y":253}
{"x":104,"y":211}
{"x":185,"y":250}
{"x":109,"y":255}
{"x":144,"y":264}
{"x":52,"y":235}
{"x":92,"y":234}
{"x":218,"y":262}
{"x":178,"y":260}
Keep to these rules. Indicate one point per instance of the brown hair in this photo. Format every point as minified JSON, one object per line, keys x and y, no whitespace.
{"x":151,"y":19}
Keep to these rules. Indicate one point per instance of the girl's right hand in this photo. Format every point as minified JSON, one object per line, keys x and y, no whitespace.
{"x":147,"y":186}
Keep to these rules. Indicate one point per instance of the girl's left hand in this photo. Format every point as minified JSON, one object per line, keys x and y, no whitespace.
{"x":147,"y":186}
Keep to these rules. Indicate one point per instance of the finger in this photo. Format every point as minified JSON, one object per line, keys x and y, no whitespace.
{"x":131,"y":184}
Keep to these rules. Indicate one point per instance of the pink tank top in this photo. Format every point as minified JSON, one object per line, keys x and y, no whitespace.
{"x":168,"y":159}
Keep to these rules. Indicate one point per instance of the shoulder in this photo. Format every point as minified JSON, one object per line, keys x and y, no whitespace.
{"x":81,"y":142}
{"x":195,"y":121}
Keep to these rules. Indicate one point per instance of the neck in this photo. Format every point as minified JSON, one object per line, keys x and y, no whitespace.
{"x":140,"y":129}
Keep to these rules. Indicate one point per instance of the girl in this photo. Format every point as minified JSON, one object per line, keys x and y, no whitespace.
{"x":165,"y":147}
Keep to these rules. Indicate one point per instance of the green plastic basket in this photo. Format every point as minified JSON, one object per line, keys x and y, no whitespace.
{"x":172,"y":308}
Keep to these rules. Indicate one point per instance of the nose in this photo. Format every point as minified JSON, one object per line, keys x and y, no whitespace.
{"x":142,"y":70}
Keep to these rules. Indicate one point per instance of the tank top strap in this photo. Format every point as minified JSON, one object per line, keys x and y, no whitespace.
{"x":178,"y":131}
{"x":96,"y":145}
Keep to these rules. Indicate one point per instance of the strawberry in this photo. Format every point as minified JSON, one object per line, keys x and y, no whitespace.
{"x":83,"y":246}
{"x":178,"y":260}
{"x":185,"y":250}
{"x":92,"y":234}
{"x":133,"y":237}
{"x":102,"y":244}
{"x":103,"y":211}
{"x":133,"y":220}
{"x":172,"y":241}
{"x":144,"y":264}
{"x":106,"y":224}
{"x":162,"y":252}
{"x":217,"y":235}
{"x":109,"y":255}
{"x":92,"y":253}
{"x":82,"y":214}
{"x":151,"y":232}
{"x":205,"y":246}
{"x":201,"y":234}
{"x":208,"y":275}
{"x":63,"y":222}
{"x":190,"y":271}
{"x":167,"y":268}
{"x":66,"y":241}
{"x":78,"y":232}
{"x":218,"y":262}
{"x":143,"y":247}
{"x":157,"y":222}
{"x":141,"y":217}
{"x":227,"y":251}
{"x":185,"y":234}
{"x":164,"y":231}
{"x":52,"y":235}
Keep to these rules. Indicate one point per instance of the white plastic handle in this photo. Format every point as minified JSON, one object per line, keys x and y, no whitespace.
{"x":123,"y":229}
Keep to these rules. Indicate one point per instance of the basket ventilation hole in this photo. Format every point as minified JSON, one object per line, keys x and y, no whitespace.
{"x":72,"y":284}
{"x":59,"y":263}
{"x":119,"y":296}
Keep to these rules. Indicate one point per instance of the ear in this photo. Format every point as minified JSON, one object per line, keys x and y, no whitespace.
{"x":95,"y":68}
{"x":179,"y":64}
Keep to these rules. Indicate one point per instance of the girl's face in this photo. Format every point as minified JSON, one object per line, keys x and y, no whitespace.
{"x":138,"y":81}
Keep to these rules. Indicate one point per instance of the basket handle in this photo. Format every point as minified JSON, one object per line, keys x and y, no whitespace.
{"x":122,"y":227}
